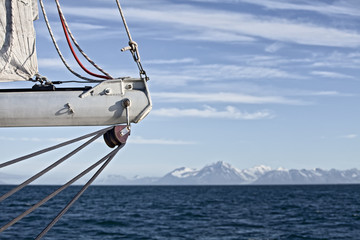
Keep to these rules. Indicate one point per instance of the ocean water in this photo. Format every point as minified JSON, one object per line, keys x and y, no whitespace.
{"x":189,"y":212}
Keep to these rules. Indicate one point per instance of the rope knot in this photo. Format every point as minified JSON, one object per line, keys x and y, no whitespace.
{"x":133,"y":47}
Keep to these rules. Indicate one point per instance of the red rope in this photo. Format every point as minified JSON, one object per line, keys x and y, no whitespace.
{"x":74,"y":54}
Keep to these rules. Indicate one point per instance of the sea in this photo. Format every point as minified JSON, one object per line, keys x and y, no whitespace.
{"x":188,"y":212}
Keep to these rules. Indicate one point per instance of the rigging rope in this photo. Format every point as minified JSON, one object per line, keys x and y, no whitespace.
{"x":105,"y":160}
{"x":63,"y":20}
{"x":58,"y":50}
{"x":133,"y":46}
{"x":19,"y":159}
{"x":39,"y":174}
{"x":53,"y":194}
{"x":83,"y":189}
{"x":64,"y":26}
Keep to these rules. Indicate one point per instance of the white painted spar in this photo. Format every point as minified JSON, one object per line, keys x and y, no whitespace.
{"x":97,"y":106}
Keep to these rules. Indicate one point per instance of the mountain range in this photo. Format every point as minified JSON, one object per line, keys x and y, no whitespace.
{"x":221,"y":173}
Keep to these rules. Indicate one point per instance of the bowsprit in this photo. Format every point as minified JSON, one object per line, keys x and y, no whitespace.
{"x":115,"y":102}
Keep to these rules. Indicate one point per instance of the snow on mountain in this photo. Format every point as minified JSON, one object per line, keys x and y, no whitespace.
{"x":214,"y":174}
{"x":315,"y":176}
{"x":258,"y":170}
{"x":224,"y":173}
{"x":221,"y":173}
{"x":183,"y":172}
{"x":254,"y":173}
{"x":178,"y":176}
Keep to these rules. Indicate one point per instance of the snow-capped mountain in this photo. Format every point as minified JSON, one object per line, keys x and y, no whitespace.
{"x":178,"y":176}
{"x":254,"y":173}
{"x":303,"y":176}
{"x":217,"y":173}
{"x":221,"y":173}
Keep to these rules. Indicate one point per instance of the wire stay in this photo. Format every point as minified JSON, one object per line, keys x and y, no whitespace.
{"x":104,"y":161}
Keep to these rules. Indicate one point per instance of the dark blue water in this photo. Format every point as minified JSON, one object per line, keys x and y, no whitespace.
{"x":184,"y":212}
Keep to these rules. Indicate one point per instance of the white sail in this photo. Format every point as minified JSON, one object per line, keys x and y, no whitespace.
{"x":18,"y":60}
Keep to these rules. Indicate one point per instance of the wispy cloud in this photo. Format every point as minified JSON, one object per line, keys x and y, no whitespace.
{"x":32,"y":139}
{"x":338,"y":59}
{"x":209,"y":112}
{"x":104,"y":13}
{"x":202,"y":21}
{"x":224,"y":98}
{"x":334,"y":59}
{"x":86,"y":26}
{"x":333,"y":8}
{"x":212,"y":36}
{"x":221,"y":71}
{"x":172,"y":61}
{"x":327,"y":74}
{"x":50,"y":62}
{"x":274,"y":47}
{"x":349,"y":136}
{"x":141,"y":140}
{"x":326,"y":93}
{"x":211,"y":25}
{"x":328,"y":8}
{"x":183,"y":75}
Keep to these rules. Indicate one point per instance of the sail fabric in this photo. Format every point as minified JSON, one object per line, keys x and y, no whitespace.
{"x":18,"y":61}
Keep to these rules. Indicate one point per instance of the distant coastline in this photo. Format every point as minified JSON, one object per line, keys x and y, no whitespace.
{"x":222,"y":173}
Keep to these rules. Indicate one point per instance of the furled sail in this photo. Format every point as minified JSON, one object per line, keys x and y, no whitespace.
{"x":18,"y":60}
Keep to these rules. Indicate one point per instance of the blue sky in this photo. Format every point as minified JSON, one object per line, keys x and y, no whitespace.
{"x":248,"y":82}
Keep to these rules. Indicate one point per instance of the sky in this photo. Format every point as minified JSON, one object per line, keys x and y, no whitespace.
{"x":248,"y":82}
